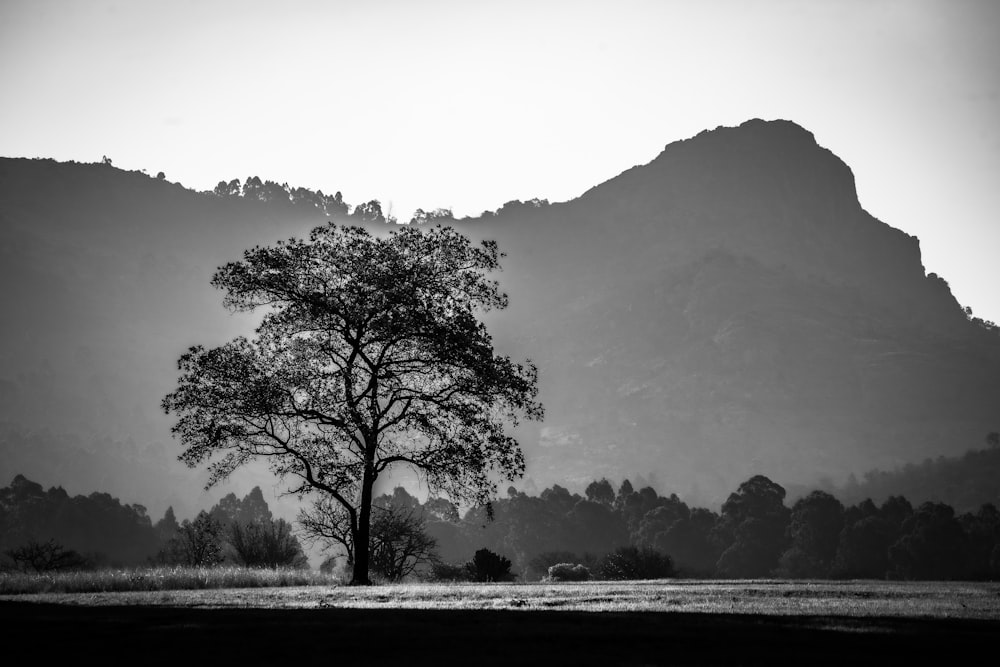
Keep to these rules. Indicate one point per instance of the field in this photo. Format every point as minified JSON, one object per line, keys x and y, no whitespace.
{"x":675,"y":622}
{"x":159,"y":579}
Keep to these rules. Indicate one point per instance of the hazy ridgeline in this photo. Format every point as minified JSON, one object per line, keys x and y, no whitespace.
{"x":726,"y":309}
{"x":756,"y":534}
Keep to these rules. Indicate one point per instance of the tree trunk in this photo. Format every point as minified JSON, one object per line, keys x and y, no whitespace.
{"x":362,"y":541}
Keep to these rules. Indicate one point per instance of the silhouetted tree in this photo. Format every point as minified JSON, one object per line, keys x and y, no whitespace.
{"x":863,"y":552}
{"x":625,"y":490}
{"x":48,"y":556}
{"x":400,"y":543}
{"x":265,"y":543}
{"x":368,"y":212}
{"x":933,"y":545}
{"x":253,"y":188}
{"x":441,"y":509}
{"x":814,"y":529}
{"x":596,"y":528}
{"x":488,"y":566}
{"x":688,"y":541}
{"x":167,"y":527}
{"x":230,"y":189}
{"x":335,"y":206}
{"x":422,"y":217}
{"x":371,"y":355}
{"x":601,"y":492}
{"x":982,"y":530}
{"x":198,"y":543}
{"x":307,"y":198}
{"x":753,"y":524}
{"x":252,"y":508}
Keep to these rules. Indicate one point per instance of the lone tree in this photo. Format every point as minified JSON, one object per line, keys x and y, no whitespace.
{"x":369,"y":355}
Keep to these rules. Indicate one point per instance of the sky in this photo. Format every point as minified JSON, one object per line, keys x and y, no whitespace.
{"x":468,"y":105}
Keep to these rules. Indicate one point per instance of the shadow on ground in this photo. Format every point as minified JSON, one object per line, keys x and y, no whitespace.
{"x":160,"y":635}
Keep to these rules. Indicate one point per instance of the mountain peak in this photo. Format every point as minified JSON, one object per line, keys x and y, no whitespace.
{"x":770,"y":130}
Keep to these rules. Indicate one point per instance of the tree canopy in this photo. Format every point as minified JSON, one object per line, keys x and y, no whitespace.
{"x":370,"y":354}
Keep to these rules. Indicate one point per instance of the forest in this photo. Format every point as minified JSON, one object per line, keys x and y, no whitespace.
{"x":605,"y":533}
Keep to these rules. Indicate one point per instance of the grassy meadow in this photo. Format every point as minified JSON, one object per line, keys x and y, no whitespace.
{"x":666,"y":622}
{"x":158,"y":579}
{"x":303,"y":589}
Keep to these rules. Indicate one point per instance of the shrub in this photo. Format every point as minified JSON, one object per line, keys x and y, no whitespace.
{"x":629,"y":563}
{"x":568,"y":572}
{"x":449,"y":572}
{"x":266,"y":543}
{"x":45,"y":557}
{"x":329,"y":565}
{"x":538,"y":567}
{"x":399,"y":542}
{"x":198,"y":543}
{"x":488,"y":566}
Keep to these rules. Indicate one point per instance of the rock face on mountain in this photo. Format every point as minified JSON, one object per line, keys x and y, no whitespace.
{"x":728,"y":309}
{"x":725,"y":310}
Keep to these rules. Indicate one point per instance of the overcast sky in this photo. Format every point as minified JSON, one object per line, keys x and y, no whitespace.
{"x":470,"y":104}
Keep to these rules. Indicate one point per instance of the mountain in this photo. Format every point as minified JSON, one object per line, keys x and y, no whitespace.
{"x":725,"y":310}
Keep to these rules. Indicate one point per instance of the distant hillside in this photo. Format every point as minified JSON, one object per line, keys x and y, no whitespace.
{"x":964,"y":482}
{"x":725,"y":310}
{"x":112,"y":273}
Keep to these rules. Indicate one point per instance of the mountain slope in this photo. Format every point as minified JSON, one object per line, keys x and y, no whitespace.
{"x":725,"y":310}
{"x":730,"y":308}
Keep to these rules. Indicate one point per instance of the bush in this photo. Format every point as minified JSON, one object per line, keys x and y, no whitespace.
{"x":197,"y":543}
{"x":538,"y":567}
{"x":488,"y":566}
{"x":329,"y":565}
{"x":568,"y":572}
{"x":449,"y":572}
{"x":45,"y":557}
{"x":399,"y":542}
{"x":266,"y":543}
{"x":628,"y":563}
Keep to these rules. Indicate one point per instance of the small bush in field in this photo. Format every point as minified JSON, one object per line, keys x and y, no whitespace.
{"x":45,"y":557}
{"x":488,"y":566}
{"x":630,"y":563}
{"x":568,"y":572}
{"x":449,"y":572}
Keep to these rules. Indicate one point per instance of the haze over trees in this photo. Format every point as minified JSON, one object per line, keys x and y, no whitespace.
{"x":965,"y":482}
{"x":51,"y":530}
{"x":556,"y":535}
{"x":370,"y":355}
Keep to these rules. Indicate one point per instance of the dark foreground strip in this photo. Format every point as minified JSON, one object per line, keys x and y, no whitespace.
{"x":187,"y":637}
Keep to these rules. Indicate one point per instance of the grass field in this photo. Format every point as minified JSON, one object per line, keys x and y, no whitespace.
{"x":159,"y":579}
{"x":763,"y":597}
{"x":594,"y":623}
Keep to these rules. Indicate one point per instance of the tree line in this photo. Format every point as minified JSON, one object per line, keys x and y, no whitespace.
{"x":51,"y":530}
{"x":608,"y":531}
{"x":335,"y":208}
{"x":605,"y":533}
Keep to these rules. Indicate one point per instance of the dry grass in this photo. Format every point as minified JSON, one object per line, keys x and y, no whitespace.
{"x":158,"y":579}
{"x":252,"y":589}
